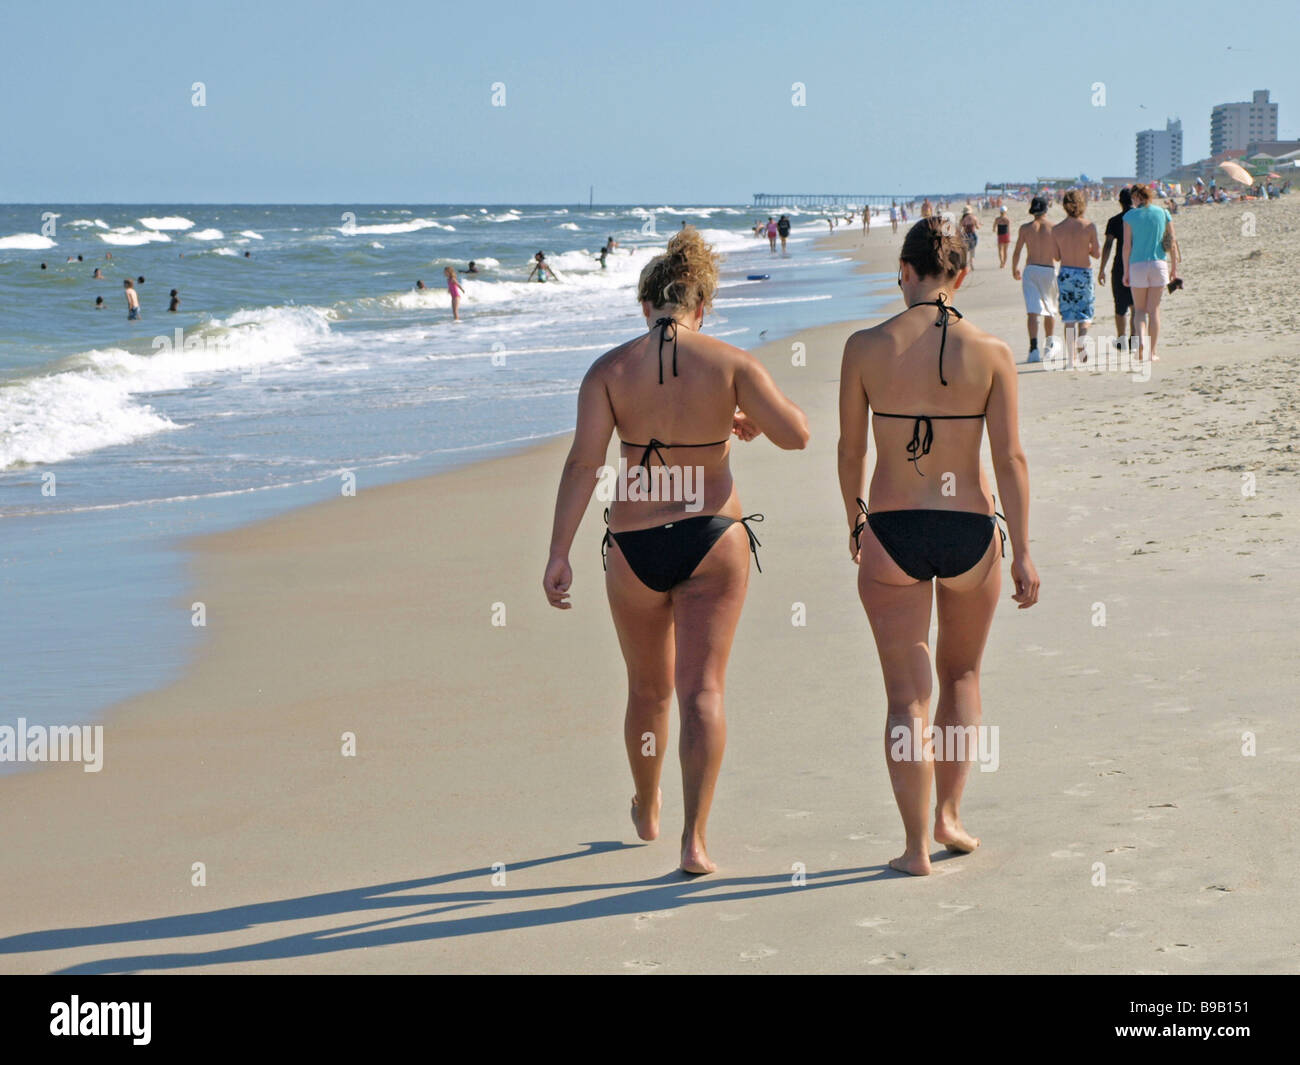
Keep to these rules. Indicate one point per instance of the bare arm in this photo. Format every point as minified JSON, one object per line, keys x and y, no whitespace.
{"x":852,"y":451}
{"x":768,"y":407}
{"x":1011,"y":470}
{"x":1015,"y":255}
{"x":1128,"y":248}
{"x":581,"y":468}
{"x":1094,"y":249}
{"x":1175,"y":255}
{"x":1105,"y":257}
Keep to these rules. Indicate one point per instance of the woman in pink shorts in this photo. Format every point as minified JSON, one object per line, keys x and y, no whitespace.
{"x":1150,"y":263}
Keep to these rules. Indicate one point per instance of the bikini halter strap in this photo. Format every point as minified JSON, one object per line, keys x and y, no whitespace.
{"x":945,"y":310}
{"x":664,"y":325}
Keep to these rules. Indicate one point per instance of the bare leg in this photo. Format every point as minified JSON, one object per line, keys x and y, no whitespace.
{"x":898,"y":608}
{"x":644,"y":621}
{"x":1139,"y":317}
{"x":966,"y":605}
{"x":1153,"y":317}
{"x":1031,"y":320}
{"x":707,"y":609}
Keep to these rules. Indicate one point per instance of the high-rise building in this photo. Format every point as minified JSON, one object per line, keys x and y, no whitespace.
{"x":1159,"y":151}
{"x":1234,"y":126}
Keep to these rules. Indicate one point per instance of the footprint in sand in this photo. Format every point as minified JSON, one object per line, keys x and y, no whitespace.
{"x":643,"y":919}
{"x":641,"y":966}
{"x":795,"y":814}
{"x":1127,"y":930}
{"x":732,"y":916}
{"x":757,"y":953}
{"x":1078,"y":791}
{"x":953,"y":908}
{"x":880,"y":959}
{"x":1123,"y":887}
{"x":1174,"y":948}
{"x":858,"y":836}
{"x":1070,"y":852}
{"x":877,"y":923}
{"x":1122,"y":847}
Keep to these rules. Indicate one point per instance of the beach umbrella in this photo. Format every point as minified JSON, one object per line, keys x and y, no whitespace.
{"x":1237,"y":172}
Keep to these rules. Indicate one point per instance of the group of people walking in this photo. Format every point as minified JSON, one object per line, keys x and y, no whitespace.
{"x":925,"y":383}
{"x":1144,"y":264}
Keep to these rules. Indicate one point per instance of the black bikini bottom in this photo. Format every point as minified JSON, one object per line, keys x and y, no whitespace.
{"x":932,"y":543}
{"x":665,"y":555}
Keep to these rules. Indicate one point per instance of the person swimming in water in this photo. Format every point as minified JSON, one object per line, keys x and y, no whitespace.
{"x":678,"y":559}
{"x":541,"y":268}
{"x":927,"y":537}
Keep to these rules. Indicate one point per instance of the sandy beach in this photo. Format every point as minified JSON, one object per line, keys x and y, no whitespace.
{"x":1139,"y":820}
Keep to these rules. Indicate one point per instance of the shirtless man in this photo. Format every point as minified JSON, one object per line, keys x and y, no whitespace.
{"x":1076,"y":247}
{"x":1039,"y":281}
{"x":132,"y":300}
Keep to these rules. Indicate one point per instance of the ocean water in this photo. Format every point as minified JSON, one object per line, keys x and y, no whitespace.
{"x":311,"y":357}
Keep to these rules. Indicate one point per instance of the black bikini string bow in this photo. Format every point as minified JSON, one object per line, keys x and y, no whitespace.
{"x":919,"y":445}
{"x":664,"y":325}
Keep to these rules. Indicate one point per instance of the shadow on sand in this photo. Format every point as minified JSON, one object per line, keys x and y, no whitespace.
{"x":445,"y":917}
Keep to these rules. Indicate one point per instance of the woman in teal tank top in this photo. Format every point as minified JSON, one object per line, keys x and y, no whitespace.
{"x":1148,"y":266}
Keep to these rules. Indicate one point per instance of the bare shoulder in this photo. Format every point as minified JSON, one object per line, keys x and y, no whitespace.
{"x":611,"y":362}
{"x":992,"y":348}
{"x":862,"y":344}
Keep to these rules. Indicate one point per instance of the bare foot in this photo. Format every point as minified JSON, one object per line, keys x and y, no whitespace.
{"x":695,"y":859}
{"x":911,"y":864}
{"x":647,"y":820}
{"x":954,"y":837}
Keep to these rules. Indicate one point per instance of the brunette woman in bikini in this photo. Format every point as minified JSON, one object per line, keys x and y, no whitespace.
{"x":677,"y":569}
{"x":932,"y":381}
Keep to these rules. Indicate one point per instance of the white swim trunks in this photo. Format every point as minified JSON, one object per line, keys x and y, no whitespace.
{"x":1039,"y":286}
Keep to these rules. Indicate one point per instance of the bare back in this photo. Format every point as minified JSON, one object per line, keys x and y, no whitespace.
{"x":1040,"y":245}
{"x":897,"y":367}
{"x":695,"y":406}
{"x":1076,"y":242}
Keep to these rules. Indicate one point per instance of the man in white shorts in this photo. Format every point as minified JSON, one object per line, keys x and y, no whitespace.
{"x":1039,"y":281}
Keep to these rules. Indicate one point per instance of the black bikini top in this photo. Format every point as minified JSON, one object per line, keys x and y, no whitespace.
{"x":654,"y":445}
{"x":923,"y":430}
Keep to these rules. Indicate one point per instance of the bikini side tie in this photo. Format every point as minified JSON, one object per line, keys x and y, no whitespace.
{"x":754,"y":542}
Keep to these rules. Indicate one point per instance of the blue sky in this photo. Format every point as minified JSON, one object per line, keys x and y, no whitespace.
{"x":669,"y":102}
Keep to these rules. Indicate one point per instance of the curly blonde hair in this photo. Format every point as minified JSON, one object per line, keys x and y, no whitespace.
{"x":1075,"y":203}
{"x":684,"y":276}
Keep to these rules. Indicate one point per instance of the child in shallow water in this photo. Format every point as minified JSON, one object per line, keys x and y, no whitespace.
{"x":455,"y":291}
